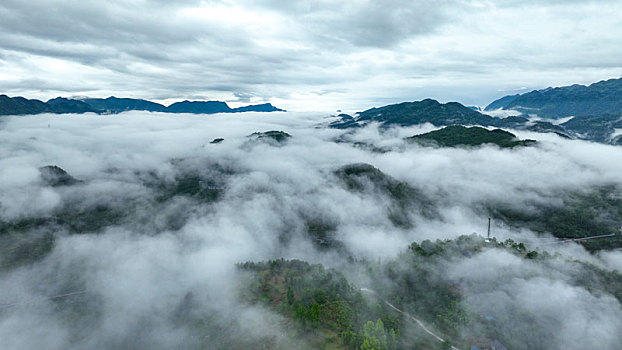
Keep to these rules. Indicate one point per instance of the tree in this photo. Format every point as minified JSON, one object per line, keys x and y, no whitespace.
{"x":290,"y":295}
{"x":374,"y":336}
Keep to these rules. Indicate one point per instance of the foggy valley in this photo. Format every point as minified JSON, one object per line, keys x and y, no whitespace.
{"x":139,"y":244}
{"x":310,"y":175}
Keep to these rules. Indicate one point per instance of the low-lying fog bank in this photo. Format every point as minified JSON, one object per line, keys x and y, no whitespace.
{"x":140,"y":251}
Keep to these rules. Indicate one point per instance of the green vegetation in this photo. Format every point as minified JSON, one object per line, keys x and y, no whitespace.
{"x":24,"y":240}
{"x":322,"y":232}
{"x":20,"y":105}
{"x":55,"y":176}
{"x":272,"y":137}
{"x":425,"y":111}
{"x":597,"y":109}
{"x":332,"y":312}
{"x":322,"y":302}
{"x":547,"y":127}
{"x":576,"y":100}
{"x":405,"y":199}
{"x":457,"y":135}
{"x":580,"y":214}
{"x":596,"y":128}
{"x":193,"y":186}
{"x":20,"y":247}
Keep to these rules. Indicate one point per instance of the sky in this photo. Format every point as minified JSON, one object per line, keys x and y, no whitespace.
{"x":314,"y":55}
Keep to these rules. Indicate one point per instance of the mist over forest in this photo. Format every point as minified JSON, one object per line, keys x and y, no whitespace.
{"x":144,"y":231}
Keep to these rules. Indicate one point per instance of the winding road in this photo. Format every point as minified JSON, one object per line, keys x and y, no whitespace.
{"x":411,"y":317}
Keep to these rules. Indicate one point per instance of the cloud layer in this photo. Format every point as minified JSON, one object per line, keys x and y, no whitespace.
{"x":163,"y":275}
{"x":315,"y":55}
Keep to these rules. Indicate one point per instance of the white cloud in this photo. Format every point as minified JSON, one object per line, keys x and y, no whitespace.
{"x":315,"y":55}
{"x":138,"y":272}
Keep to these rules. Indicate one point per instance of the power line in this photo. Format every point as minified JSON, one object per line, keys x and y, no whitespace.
{"x":43,"y":298}
{"x":566,"y":240}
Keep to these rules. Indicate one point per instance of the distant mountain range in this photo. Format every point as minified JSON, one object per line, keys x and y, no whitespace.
{"x":604,"y":97}
{"x":596,"y":111}
{"x":114,"y":105}
{"x":594,"y":128}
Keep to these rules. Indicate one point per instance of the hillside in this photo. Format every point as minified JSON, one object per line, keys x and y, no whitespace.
{"x":604,"y":97}
{"x":600,"y":128}
{"x":20,"y":105}
{"x":425,"y":111}
{"x":457,"y":135}
{"x":418,"y":112}
{"x":343,"y":315}
{"x":592,"y":128}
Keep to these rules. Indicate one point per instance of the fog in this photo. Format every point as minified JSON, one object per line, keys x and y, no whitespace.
{"x":158,"y":271}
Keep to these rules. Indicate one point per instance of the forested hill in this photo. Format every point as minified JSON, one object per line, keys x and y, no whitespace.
{"x":458,"y":135}
{"x":418,"y":112}
{"x":338,"y":314}
{"x":604,"y":97}
{"x":113,"y":105}
{"x":600,"y":128}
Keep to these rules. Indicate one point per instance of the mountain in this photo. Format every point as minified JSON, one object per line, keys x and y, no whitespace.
{"x":592,"y":128}
{"x":20,"y":105}
{"x":326,"y":302}
{"x":457,"y":135}
{"x":500,"y":103}
{"x":264,"y":107}
{"x":62,"y":105}
{"x":600,"y":128}
{"x":199,"y":107}
{"x":273,"y":137}
{"x":418,"y":112}
{"x":426,"y":111}
{"x":114,"y":105}
{"x":55,"y":176}
{"x":346,"y":122}
{"x":513,"y":122}
{"x":210,"y":107}
{"x":544,"y":127}
{"x":604,"y":97}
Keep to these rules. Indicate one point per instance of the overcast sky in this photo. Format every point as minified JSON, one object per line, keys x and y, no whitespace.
{"x":305,"y":55}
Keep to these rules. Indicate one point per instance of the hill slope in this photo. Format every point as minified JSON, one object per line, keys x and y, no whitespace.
{"x":457,"y":135}
{"x":20,"y":105}
{"x":425,"y":111}
{"x":604,"y":97}
{"x":598,"y":128}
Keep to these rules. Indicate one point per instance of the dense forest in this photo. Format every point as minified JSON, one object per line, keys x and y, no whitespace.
{"x":342,"y":315}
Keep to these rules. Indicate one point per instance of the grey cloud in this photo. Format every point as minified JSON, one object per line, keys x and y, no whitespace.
{"x":365,"y":23}
{"x":243,"y":96}
{"x":364,"y":52}
{"x":514,"y":291}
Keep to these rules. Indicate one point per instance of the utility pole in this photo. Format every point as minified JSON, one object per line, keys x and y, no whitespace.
{"x":488,"y":239}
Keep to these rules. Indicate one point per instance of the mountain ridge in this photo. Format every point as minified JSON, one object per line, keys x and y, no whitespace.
{"x":591,"y":128}
{"x":603,"y":97}
{"x":113,"y":105}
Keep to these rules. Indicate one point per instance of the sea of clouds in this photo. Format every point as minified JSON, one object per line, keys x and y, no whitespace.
{"x":163,"y":275}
